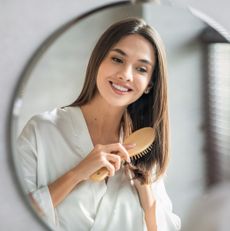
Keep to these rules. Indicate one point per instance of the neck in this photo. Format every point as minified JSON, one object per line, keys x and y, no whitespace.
{"x":103,"y":121}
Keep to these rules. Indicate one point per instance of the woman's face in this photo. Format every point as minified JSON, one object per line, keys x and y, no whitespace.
{"x":126,"y":71}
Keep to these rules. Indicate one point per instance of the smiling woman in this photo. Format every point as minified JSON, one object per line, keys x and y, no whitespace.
{"x":125,"y":89}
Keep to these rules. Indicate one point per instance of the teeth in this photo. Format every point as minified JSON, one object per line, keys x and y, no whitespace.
{"x":120,"y":88}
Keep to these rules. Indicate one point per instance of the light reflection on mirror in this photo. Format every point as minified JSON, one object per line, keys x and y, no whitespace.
{"x":58,"y":76}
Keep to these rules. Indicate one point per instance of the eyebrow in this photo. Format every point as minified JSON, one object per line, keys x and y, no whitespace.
{"x":121,"y":52}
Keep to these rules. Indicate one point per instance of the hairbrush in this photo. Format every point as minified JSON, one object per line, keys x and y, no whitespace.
{"x":143,"y":138}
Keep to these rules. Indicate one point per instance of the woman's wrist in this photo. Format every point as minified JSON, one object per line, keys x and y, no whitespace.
{"x":78,"y":174}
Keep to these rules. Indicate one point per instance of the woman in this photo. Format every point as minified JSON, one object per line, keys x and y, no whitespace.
{"x":125,"y":89}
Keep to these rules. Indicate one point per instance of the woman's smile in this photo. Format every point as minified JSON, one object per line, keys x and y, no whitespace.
{"x":120,"y":89}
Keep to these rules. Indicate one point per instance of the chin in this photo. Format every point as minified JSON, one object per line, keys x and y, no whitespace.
{"x":117,"y":103}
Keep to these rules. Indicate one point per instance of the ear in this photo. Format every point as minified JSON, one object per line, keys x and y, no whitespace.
{"x":148,"y":88}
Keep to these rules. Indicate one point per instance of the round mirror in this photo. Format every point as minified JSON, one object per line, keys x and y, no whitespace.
{"x":54,"y":78}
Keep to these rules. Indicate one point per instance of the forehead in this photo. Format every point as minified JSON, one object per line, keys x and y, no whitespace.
{"x":136,"y":45}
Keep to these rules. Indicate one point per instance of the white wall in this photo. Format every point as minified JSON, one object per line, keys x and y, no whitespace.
{"x":23,"y":27}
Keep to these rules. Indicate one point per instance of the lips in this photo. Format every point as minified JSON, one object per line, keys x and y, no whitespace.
{"x":119,"y":87}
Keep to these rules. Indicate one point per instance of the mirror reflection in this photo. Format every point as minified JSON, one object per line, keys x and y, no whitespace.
{"x":58,"y":148}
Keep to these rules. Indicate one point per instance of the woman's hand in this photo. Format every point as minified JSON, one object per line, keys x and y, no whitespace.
{"x":129,"y":172}
{"x":109,"y":156}
{"x":144,"y":190}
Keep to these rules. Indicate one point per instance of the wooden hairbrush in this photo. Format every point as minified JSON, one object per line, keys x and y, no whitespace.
{"x":143,"y":138}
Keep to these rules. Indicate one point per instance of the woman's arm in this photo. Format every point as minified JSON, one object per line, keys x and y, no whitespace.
{"x":100,"y":156}
{"x":60,"y":188}
{"x":148,"y":204}
{"x":147,"y":200}
{"x":156,"y":204}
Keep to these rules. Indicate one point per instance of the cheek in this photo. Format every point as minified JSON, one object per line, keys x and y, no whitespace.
{"x":100,"y":73}
{"x":103,"y":70}
{"x":142,"y":83}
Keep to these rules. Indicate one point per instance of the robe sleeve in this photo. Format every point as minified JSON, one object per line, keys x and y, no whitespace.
{"x":165,"y":218}
{"x":28,"y":158}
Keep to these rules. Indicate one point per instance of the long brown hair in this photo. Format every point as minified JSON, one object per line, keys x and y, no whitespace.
{"x":150,"y":109}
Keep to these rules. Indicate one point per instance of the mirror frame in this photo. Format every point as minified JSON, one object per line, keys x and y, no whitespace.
{"x":24,"y":75}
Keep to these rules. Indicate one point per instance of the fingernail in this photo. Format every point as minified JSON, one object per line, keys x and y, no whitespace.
{"x":132,"y":145}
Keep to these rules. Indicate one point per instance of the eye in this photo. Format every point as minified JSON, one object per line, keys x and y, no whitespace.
{"x":117,"y":60}
{"x":142,"y":69}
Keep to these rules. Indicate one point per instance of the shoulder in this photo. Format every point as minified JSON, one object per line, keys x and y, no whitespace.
{"x":53,"y":119}
{"x":59,"y":122}
{"x":45,"y":118}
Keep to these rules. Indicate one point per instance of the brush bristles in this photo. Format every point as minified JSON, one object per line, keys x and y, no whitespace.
{"x":141,"y":154}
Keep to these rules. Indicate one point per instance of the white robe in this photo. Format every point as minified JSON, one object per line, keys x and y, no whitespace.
{"x":54,"y":142}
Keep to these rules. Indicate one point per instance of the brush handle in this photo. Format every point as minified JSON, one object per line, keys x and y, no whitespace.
{"x":100,"y":174}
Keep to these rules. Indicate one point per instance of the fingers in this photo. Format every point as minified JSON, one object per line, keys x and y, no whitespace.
{"x":111,"y":155}
{"x":110,"y":168}
{"x":129,"y":146}
{"x":129,"y":173}
{"x":112,"y":162}
{"x":119,"y":149}
{"x":115,"y":159}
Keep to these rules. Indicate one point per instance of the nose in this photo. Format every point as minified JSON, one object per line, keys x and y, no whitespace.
{"x":126,"y":73}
